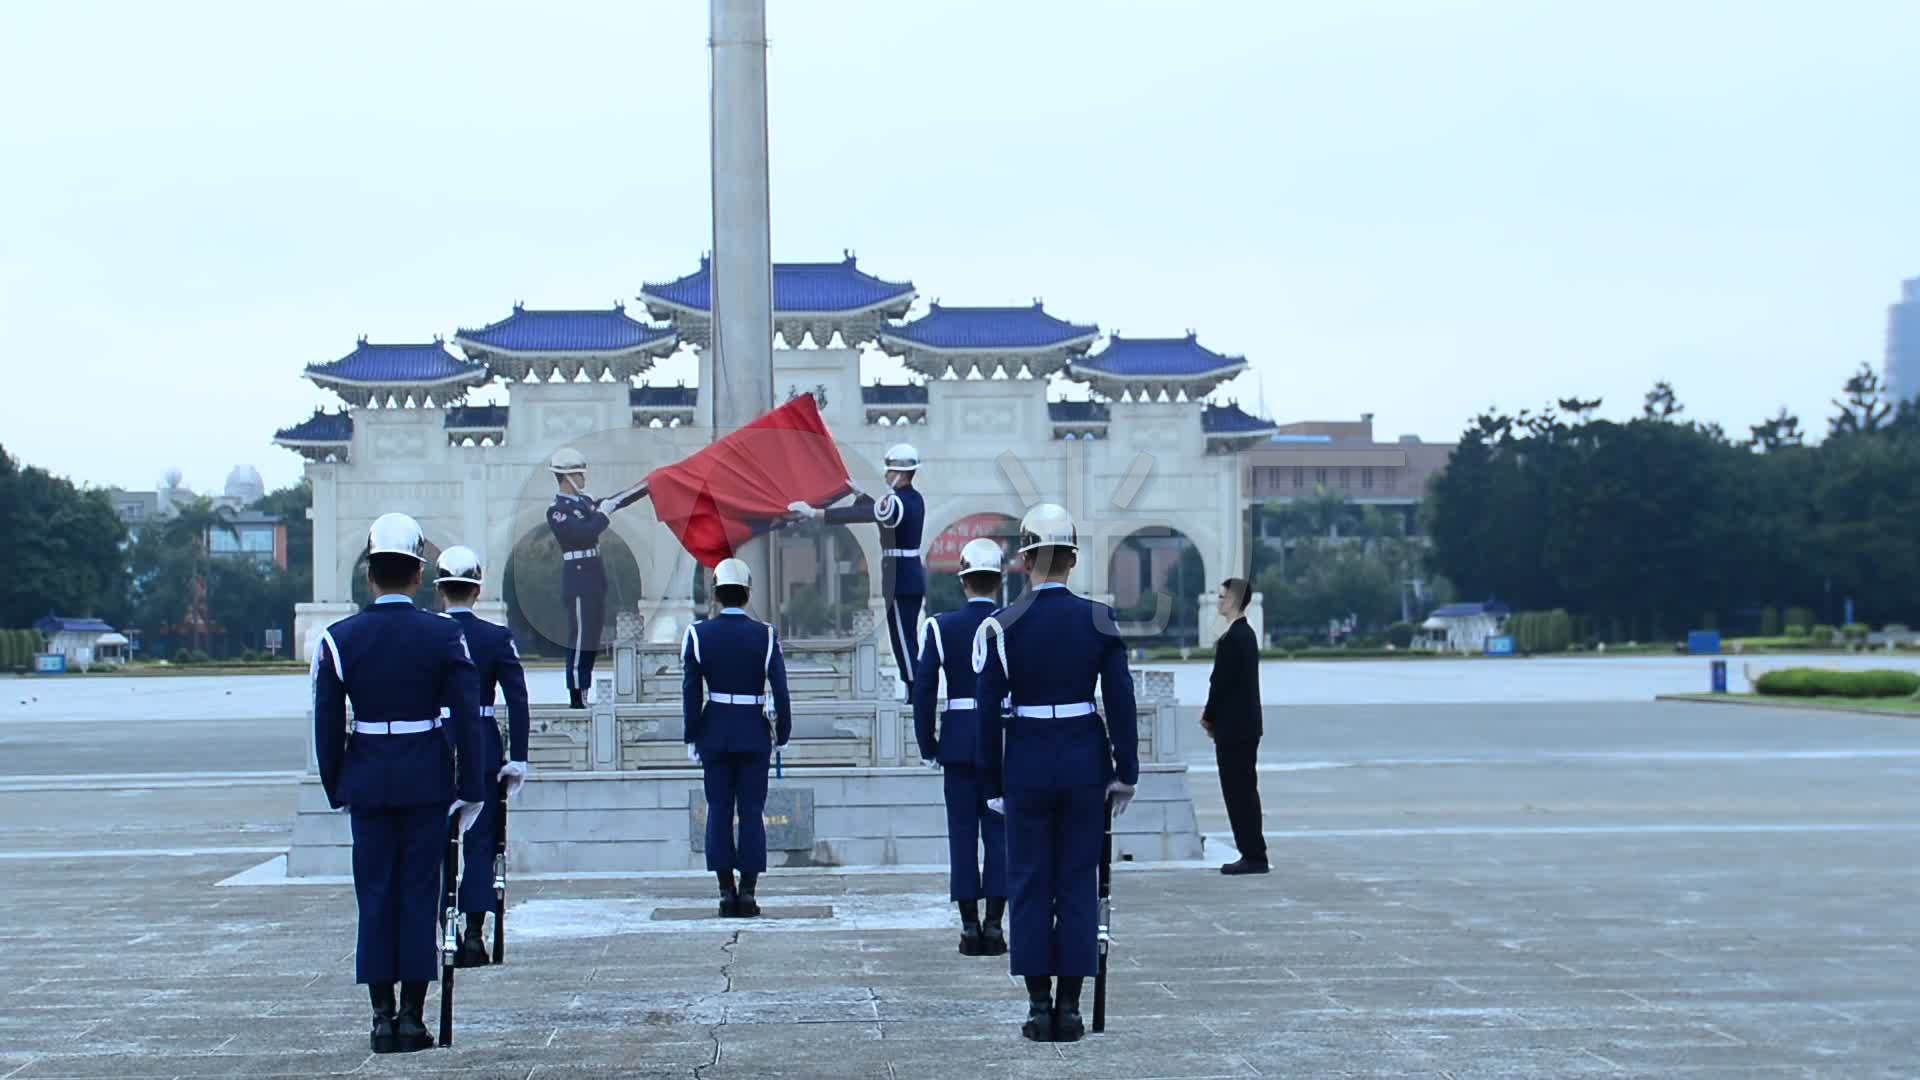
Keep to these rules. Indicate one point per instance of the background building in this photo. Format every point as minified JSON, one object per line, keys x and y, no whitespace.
{"x":1902,"y":372}
{"x":1341,"y":457}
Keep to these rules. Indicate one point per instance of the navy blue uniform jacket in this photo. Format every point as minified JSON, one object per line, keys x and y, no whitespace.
{"x":498,"y":661}
{"x":946,"y":647}
{"x":733,"y":654}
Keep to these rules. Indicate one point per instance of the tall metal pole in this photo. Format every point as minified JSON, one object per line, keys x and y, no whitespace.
{"x":742,"y":273}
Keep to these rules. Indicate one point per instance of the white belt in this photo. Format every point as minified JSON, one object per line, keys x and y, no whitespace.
{"x":1055,"y":712}
{"x":961,"y":703}
{"x":394,"y":727}
{"x":590,"y":553}
{"x":486,"y":710}
{"x":738,"y":699}
{"x":899,"y":553}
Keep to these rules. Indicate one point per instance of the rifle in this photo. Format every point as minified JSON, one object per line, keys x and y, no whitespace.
{"x":450,"y":927}
{"x":500,"y":882}
{"x":1105,"y":924}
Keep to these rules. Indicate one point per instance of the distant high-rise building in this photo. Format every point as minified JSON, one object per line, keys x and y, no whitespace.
{"x":1902,"y":374}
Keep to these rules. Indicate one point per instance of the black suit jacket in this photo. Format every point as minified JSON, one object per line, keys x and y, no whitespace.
{"x":1233,"y":700}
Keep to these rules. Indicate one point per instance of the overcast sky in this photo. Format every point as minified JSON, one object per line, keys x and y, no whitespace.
{"x":1416,"y":209}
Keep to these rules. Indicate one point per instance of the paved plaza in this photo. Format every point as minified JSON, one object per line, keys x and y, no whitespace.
{"x":1469,"y":890}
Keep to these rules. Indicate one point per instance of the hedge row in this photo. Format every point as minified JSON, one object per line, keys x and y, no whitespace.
{"x":17,"y":648}
{"x":1819,"y":682}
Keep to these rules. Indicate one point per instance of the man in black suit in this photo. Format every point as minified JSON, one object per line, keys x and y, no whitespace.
{"x":1232,"y":719}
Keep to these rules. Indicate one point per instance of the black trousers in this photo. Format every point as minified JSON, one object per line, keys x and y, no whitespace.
{"x":1240,"y":785}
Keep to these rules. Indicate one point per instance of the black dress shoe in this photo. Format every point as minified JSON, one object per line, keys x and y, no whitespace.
{"x":993,"y":940}
{"x":410,"y":1033}
{"x":747,"y":907}
{"x":729,"y":905}
{"x":383,"y":1032}
{"x":1039,"y":1025}
{"x":971,"y":942}
{"x":1244,"y":865}
{"x":1067,"y":1026}
{"x":472,"y":953}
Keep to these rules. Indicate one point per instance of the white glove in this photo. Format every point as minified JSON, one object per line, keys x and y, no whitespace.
{"x":515,"y":774}
{"x":854,"y":486}
{"x":1122,"y":796}
{"x":693,"y":755}
{"x":998,"y":806}
{"x":469,"y":813}
{"x":934,"y":764}
{"x":607,"y":506}
{"x":802,"y":510}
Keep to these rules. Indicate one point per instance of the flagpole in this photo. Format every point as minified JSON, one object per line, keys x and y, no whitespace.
{"x":742,"y":274}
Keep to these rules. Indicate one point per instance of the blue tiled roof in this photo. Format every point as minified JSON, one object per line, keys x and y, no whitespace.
{"x":663,"y":397}
{"x":1181,"y":357}
{"x":797,"y":287}
{"x":894,"y":394}
{"x":56,"y":624}
{"x":1078,"y":412}
{"x":321,"y":427}
{"x":527,"y":331}
{"x":1462,"y":611}
{"x":477,"y":417}
{"x":987,"y":328}
{"x":407,"y":365}
{"x":1231,"y":419}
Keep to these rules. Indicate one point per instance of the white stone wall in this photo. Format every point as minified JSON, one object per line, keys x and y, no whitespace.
{"x":988,"y":446}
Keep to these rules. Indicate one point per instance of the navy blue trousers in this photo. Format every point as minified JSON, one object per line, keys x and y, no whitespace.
{"x":969,"y":824}
{"x":903,"y":625}
{"x":736,"y":783}
{"x":476,"y":856}
{"x":1053,"y":867}
{"x":585,"y":610}
{"x":397,"y":859}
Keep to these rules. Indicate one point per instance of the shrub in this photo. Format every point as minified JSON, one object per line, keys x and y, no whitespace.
{"x":1823,"y":635}
{"x":1799,"y":616}
{"x":1400,"y":634}
{"x":182,"y":656}
{"x":1819,"y":682}
{"x":7,"y":651}
{"x":248,"y":656}
{"x":1856,"y":631}
{"x":1796,"y":631}
{"x":1294,"y":643}
{"x":1769,"y":621}
{"x":199,"y":656}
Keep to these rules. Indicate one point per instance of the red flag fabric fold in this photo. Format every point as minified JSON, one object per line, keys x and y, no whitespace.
{"x":718,"y":498}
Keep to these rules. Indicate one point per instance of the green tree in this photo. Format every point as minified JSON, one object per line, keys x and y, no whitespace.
{"x":62,"y":545}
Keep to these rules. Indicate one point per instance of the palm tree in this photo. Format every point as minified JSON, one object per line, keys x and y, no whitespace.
{"x":191,"y":529}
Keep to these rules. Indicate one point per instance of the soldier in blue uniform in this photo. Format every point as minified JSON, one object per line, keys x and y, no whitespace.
{"x":577,"y":520}
{"x":1052,"y":766}
{"x":498,"y":662}
{"x":728,"y":663}
{"x":946,"y":647}
{"x":901,"y":515}
{"x":413,"y":747}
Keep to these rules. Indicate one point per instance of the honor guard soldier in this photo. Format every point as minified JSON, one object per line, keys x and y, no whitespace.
{"x":946,"y":647}
{"x":577,"y":520}
{"x":498,"y":662}
{"x":728,"y":663}
{"x":901,"y":515}
{"x":414,"y":746}
{"x":1051,"y":764}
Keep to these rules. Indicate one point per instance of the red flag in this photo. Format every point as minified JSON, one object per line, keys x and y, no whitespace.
{"x":713,"y":499}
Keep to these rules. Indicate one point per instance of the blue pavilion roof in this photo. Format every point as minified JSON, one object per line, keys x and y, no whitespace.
{"x":66,"y":624}
{"x":1165,"y":358}
{"x":476,"y":418}
{"x":407,"y":365}
{"x":1078,"y":412}
{"x":894,"y":394}
{"x":837,"y":287}
{"x":1231,"y":419}
{"x":527,"y":331}
{"x":989,"y":329}
{"x":663,"y":397}
{"x":321,"y":427}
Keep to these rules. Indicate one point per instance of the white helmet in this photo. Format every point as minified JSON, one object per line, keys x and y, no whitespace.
{"x":982,"y":556}
{"x":902,"y":457}
{"x":568,"y":460}
{"x":459,"y":565}
{"x":732,"y":572}
{"x":397,"y":534}
{"x":1048,"y":525}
